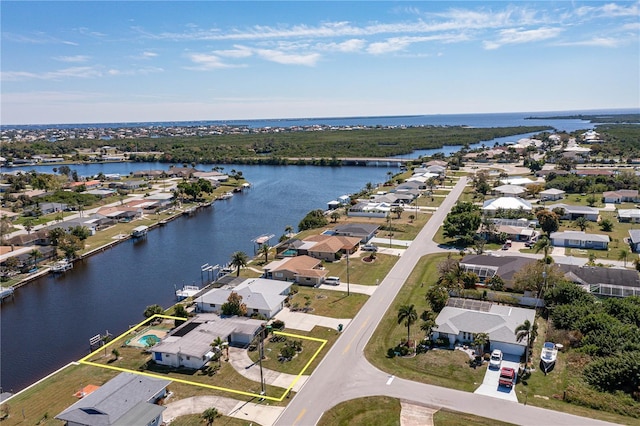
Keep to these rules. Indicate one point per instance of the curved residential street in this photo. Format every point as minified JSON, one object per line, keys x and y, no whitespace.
{"x":345,"y":374}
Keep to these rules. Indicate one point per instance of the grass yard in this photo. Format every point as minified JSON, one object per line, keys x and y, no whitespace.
{"x":454,"y":418}
{"x":329,"y":303}
{"x":438,"y":367}
{"x":295,"y":366}
{"x":374,"y":410}
{"x":197,"y":420}
{"x":360,"y":272}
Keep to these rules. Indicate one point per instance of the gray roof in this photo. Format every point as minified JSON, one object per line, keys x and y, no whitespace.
{"x":257,"y":293}
{"x":591,"y":275}
{"x":634,"y":234}
{"x":579,"y":235}
{"x":505,"y":266}
{"x":552,"y":191}
{"x":629,"y":213}
{"x":574,"y":209}
{"x":113,"y":400}
{"x":500,"y":322}
{"x":356,"y":228}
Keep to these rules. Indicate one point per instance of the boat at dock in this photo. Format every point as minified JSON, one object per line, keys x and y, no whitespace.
{"x":139,"y":231}
{"x":548,"y":356}
{"x":186,"y":292}
{"x":62,"y":266}
{"x":5,"y":292}
{"x":226,"y":196}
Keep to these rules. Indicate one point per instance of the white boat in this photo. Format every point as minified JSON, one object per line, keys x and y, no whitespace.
{"x":186,"y":292}
{"x":226,"y":196}
{"x":548,"y":356}
{"x":139,"y":231}
{"x":62,"y":266}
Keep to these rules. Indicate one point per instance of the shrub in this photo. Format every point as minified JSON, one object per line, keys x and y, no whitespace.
{"x":391,"y":353}
{"x":277,"y":325}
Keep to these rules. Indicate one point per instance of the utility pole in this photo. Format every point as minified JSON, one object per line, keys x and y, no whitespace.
{"x":348,"y":293}
{"x":261,"y":355}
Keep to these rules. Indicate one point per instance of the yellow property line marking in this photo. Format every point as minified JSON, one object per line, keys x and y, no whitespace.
{"x":346,"y":349}
{"x":189,"y":382}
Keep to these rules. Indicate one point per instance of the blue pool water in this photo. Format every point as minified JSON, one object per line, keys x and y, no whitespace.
{"x":290,"y":252}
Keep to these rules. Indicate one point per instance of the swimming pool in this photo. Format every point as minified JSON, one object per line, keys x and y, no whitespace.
{"x":290,"y":252}
{"x":145,"y":341}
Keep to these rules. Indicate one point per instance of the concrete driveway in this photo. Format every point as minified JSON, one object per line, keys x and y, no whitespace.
{"x":490,"y":387}
{"x":306,"y":322}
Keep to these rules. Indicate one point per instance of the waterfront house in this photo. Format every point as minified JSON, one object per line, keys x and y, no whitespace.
{"x":214,"y":177}
{"x":183,"y":172}
{"x":150,"y":174}
{"x":621,"y":196}
{"x":364,"y":231}
{"x":629,"y":215}
{"x":574,"y":212}
{"x":305,"y":270}
{"x":189,"y":345}
{"x":260,"y":295}
{"x":616,"y":282}
{"x":460,"y":325}
{"x":580,"y":239}
{"x":634,"y":239}
{"x":369,"y":209}
{"x":331,"y":247}
{"x":490,"y":207}
{"x":120,"y":213}
{"x":551,"y":194}
{"x":126,"y":399}
{"x":487,"y":266}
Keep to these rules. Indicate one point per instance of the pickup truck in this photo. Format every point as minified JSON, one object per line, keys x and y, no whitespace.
{"x":507,"y":377}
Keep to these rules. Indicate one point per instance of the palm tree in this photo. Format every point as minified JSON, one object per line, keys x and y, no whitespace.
{"x":264,"y":249}
{"x":217,"y":344}
{"x":529,"y":332}
{"x":239,"y":260}
{"x":35,"y":254}
{"x":428,"y":322}
{"x":210,"y":415}
{"x":480,"y":340}
{"x":407,"y":314}
{"x":288,"y":230}
{"x":543,"y":244}
{"x":151,"y":310}
{"x":624,"y":256}
{"x":581,"y":223}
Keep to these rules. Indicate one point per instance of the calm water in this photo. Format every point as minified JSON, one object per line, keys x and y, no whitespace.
{"x":50,"y":321}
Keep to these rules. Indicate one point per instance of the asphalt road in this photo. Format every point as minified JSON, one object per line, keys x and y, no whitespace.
{"x":345,"y":374}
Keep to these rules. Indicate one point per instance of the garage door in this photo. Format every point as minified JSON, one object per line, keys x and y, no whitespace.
{"x":508,"y":348}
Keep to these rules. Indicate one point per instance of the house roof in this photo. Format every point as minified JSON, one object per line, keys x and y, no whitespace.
{"x":198,"y":334}
{"x":257,"y":293}
{"x":356,"y":228}
{"x":505,"y":266}
{"x":590,"y":275}
{"x":499,"y":322}
{"x":114,"y":400}
{"x":634,"y":234}
{"x":629,"y":213}
{"x":517,"y":181}
{"x":579,"y":235}
{"x":574,"y":209}
{"x":332,"y":243}
{"x":510,"y":189}
{"x":294,"y":264}
{"x":506,"y":203}
{"x":552,"y":191}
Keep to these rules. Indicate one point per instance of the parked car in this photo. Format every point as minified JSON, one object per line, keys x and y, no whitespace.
{"x":332,"y":280}
{"x":507,"y":377}
{"x":369,"y":247}
{"x":496,"y":359}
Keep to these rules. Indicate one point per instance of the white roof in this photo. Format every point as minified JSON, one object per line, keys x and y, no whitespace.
{"x":517,"y":181}
{"x":579,"y":235}
{"x":506,"y":203}
{"x":510,"y":189}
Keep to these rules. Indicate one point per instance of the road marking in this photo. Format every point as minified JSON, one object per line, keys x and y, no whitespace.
{"x":346,"y":349}
{"x":304,"y":410}
{"x":390,"y":380}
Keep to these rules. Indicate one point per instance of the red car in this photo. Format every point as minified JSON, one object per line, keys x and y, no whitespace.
{"x":507,"y":377}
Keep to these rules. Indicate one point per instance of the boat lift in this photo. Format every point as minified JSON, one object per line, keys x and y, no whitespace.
{"x":262,"y":239}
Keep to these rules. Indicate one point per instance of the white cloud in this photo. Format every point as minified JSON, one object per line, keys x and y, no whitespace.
{"x":207,"y":62}
{"x":236,"y":52}
{"x":136,"y":71}
{"x":74,"y":72}
{"x":288,"y":59}
{"x":347,"y":46}
{"x":149,"y":54}
{"x":518,"y":36}
{"x":76,"y":58}
{"x":596,"y":42}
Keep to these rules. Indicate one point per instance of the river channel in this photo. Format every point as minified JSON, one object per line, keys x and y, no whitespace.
{"x":50,"y":321}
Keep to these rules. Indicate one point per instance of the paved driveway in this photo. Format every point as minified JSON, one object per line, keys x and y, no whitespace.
{"x":306,"y":322}
{"x":490,"y":387}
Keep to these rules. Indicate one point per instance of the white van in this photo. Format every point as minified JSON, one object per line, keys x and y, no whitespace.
{"x":332,"y":280}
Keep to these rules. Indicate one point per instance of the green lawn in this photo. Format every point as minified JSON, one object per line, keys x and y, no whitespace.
{"x":328,"y":303}
{"x":360,"y":272}
{"x":197,"y":420}
{"x":370,"y":411}
{"x":454,"y":418}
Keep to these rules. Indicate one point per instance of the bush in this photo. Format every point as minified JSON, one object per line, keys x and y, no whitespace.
{"x":277,"y":325}
{"x":391,"y":353}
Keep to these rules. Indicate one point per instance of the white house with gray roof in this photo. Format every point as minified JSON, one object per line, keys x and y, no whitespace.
{"x":260,"y":295}
{"x":634,"y":240}
{"x":579,"y":239}
{"x":629,"y":215}
{"x":489,"y":207}
{"x":551,"y":194}
{"x":574,"y":212}
{"x":499,"y":322}
{"x":127,"y":399}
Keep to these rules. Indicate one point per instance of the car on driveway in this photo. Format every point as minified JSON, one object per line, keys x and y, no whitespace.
{"x":496,"y":359}
{"x":369,"y":247}
{"x":507,"y":377}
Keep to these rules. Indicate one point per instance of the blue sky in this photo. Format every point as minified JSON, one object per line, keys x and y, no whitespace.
{"x":86,"y":61}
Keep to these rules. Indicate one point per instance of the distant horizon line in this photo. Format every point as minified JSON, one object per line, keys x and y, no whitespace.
{"x":620,"y":110}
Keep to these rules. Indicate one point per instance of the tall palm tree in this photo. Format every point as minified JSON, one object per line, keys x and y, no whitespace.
{"x":239,"y":260}
{"x":210,"y":415}
{"x":527,"y":331}
{"x":624,"y":256}
{"x":480,"y":340}
{"x":264,"y":249}
{"x":581,"y":223}
{"x":428,"y":322}
{"x":543,"y":244}
{"x":407,"y":314}
{"x":217,"y":345}
{"x":35,"y":254}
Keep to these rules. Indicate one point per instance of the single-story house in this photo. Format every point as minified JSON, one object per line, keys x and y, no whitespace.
{"x":101,"y":192}
{"x":212,"y":176}
{"x":260,"y":295}
{"x":634,"y":239}
{"x":331,"y":247}
{"x":621,"y":196}
{"x":39,"y":237}
{"x":48,"y":208}
{"x":522,"y":181}
{"x":133,"y":184}
{"x":126,"y":399}
{"x":487,"y":266}
{"x":618,"y":282}
{"x":120,"y":213}
{"x":333,"y":204}
{"x":370,"y":209}
{"x":435,"y":163}
{"x":364,"y":231}
{"x":551,"y":194}
{"x":393,"y":198}
{"x":580,"y":239}
{"x":189,"y":345}
{"x":304,"y":270}
{"x":574,"y":212}
{"x":508,"y":190}
{"x":152,"y":174}
{"x":489,"y":207}
{"x":498,"y":321}
{"x":629,"y":215}
{"x":184,"y":172}
{"x":436,"y":169}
